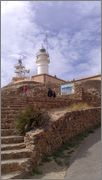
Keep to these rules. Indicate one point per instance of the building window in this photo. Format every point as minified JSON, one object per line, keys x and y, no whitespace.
{"x":67,"y":89}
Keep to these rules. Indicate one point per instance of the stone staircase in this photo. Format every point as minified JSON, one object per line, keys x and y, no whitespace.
{"x":14,"y":154}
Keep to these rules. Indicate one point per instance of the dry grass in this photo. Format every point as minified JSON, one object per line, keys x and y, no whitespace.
{"x":57,"y":113}
{"x":78,"y":106}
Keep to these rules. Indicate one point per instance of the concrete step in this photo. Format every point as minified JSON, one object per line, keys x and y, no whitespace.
{"x":15,"y":154}
{"x":8,"y":132}
{"x":11,"y":139}
{"x":8,"y":166}
{"x":12,"y":146}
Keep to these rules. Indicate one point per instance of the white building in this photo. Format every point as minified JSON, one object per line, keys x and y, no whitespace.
{"x":42,"y":61}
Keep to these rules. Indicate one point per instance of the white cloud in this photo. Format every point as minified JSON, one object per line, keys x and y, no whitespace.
{"x":8,"y":7}
{"x":95,"y":60}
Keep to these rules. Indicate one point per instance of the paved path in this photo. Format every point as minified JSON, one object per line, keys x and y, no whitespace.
{"x":86,"y":164}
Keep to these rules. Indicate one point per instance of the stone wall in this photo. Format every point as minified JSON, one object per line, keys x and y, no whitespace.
{"x":34,"y":89}
{"x":89,"y":92}
{"x":78,"y":90}
{"x":92,"y":97}
{"x":36,"y":102}
{"x":46,"y":141}
{"x":37,"y":98}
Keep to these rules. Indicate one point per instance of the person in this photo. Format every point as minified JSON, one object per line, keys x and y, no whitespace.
{"x":49,"y":92}
{"x":54,"y":93}
{"x":25,"y":89}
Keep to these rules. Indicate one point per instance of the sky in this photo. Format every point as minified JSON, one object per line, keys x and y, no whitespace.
{"x":73,"y":37}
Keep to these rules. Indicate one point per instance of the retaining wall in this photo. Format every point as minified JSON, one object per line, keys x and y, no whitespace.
{"x":46,"y":141}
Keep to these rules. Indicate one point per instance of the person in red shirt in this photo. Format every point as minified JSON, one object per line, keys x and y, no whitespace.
{"x":25,"y":89}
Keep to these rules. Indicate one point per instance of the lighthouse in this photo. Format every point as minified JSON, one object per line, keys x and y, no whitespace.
{"x":42,"y":61}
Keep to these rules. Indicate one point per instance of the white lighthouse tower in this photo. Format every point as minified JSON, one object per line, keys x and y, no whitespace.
{"x":42,"y":61}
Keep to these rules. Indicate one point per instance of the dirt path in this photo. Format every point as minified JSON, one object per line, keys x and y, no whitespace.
{"x":57,"y":113}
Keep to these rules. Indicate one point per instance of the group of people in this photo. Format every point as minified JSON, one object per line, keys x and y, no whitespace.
{"x":51,"y":93}
{"x":25,"y":90}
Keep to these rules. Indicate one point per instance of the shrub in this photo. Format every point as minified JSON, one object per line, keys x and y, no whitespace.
{"x":30,"y":119}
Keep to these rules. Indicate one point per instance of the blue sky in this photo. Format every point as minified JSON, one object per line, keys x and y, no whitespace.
{"x":73,"y":30}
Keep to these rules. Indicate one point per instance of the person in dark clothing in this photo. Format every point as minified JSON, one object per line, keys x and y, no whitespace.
{"x":54,"y":93}
{"x":49,"y":92}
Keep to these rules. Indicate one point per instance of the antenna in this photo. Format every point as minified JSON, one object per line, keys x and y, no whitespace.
{"x":42,"y":46}
{"x":20,"y":68}
{"x":46,"y":41}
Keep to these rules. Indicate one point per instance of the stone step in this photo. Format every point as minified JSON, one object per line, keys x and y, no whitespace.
{"x":12,"y":104}
{"x":7,"y":125}
{"x":8,"y":132}
{"x":12,"y":146}
{"x":9,"y":113}
{"x":15,"y":154}
{"x":16,"y":174}
{"x":11,"y":139}
{"x":8,"y":166}
{"x":9,"y":116}
{"x":33,"y":102}
{"x":16,"y":109}
{"x":14,"y":101}
{"x":12,"y":108}
{"x":8,"y":120}
{"x":6,"y":108}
